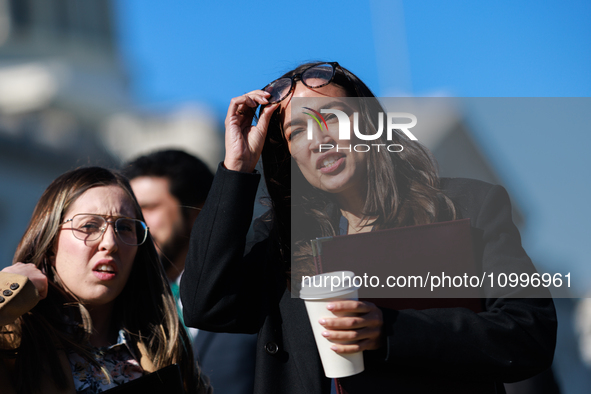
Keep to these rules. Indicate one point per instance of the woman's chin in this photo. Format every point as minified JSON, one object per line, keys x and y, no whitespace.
{"x":100,"y":299}
{"x":334,"y":188}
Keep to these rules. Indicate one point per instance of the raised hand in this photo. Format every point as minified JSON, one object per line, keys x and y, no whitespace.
{"x":244,"y":142}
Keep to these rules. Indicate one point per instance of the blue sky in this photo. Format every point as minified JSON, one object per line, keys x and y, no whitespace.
{"x":212,"y":51}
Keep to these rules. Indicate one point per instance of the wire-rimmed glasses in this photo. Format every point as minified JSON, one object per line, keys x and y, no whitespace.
{"x":89,"y":227}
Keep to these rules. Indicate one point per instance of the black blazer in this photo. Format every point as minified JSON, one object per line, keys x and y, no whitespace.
{"x":228,"y":360}
{"x":431,"y":351}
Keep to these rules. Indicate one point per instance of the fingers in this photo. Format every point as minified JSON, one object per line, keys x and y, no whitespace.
{"x":244,"y":142}
{"x":350,"y":336}
{"x":360,"y":346}
{"x":350,"y":341}
{"x":246,"y":104}
{"x":40,"y":283}
{"x":371,"y":320}
{"x":266,"y":114}
{"x":360,"y":327}
{"x":354,"y":315}
{"x":350,"y":306}
{"x":350,"y":323}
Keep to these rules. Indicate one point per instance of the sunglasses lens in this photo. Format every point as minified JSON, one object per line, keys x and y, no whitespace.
{"x":318,"y":76}
{"x":278,"y":89}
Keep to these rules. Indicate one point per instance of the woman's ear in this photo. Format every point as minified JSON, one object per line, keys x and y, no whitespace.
{"x":48,"y":262}
{"x":51,"y":257}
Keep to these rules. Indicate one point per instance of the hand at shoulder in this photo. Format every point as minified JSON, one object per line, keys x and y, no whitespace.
{"x":35,"y":275}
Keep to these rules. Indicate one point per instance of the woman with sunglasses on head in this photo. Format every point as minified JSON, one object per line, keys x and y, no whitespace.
{"x":343,"y":192}
{"x":86,"y":305}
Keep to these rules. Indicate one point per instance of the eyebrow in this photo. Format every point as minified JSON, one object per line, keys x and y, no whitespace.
{"x":335,"y":103}
{"x":300,"y":121}
{"x":109,"y":217}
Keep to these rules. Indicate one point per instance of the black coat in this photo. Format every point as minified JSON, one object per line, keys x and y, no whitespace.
{"x":430,"y":351}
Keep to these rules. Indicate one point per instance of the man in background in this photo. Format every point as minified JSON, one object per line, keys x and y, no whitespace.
{"x":171,"y":187}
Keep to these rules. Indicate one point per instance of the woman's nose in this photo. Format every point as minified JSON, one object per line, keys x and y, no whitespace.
{"x":109,"y":238}
{"x":322,"y":138}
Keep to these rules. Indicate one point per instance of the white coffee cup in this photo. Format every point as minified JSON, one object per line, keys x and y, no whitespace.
{"x":317,"y":293}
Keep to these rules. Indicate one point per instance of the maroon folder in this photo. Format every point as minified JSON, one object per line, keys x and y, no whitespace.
{"x":415,"y":259}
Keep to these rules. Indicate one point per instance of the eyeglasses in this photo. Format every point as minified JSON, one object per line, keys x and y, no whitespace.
{"x":315,"y":76}
{"x":89,"y":227}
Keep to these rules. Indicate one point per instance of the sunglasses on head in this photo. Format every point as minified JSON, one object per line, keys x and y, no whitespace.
{"x":315,"y":76}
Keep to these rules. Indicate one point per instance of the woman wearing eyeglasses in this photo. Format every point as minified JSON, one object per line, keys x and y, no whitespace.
{"x":344,"y":192}
{"x":86,"y":306}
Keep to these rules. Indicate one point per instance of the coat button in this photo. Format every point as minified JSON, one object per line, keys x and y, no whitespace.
{"x":272,"y":348}
{"x":1,"y":299}
{"x":14,"y":286}
{"x":7,"y":293}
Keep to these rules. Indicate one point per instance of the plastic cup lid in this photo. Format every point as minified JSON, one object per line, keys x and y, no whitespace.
{"x":328,"y":285}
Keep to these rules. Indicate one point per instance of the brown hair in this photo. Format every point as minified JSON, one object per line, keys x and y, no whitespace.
{"x":402,"y":188}
{"x":145,"y":308}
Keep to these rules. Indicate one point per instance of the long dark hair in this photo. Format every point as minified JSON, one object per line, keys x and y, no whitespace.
{"x":145,"y":308}
{"x":402,"y":188}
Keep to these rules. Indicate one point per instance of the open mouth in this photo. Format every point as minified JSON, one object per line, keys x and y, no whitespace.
{"x":330,"y":162}
{"x":332,"y":165}
{"x":104,"y":268}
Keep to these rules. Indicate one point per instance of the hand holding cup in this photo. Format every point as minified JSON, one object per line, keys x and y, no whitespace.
{"x":340,"y":350}
{"x":359,"y":327}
